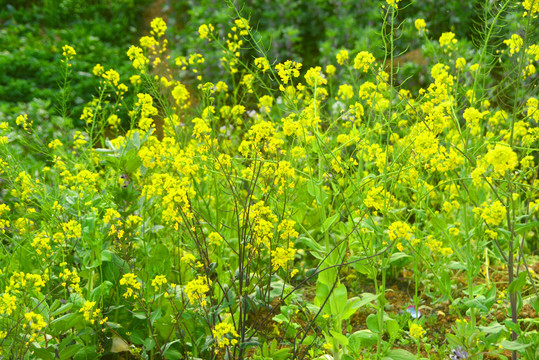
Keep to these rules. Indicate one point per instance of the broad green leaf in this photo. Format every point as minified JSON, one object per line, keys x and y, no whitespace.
{"x":517,"y":284}
{"x":400,"y":354}
{"x":343,"y":340}
{"x":393,"y":328}
{"x":493,"y":328}
{"x":372,"y":323}
{"x":398,"y":256}
{"x":513,"y":345}
{"x":69,"y":351}
{"x":329,"y":222}
{"x":44,"y":354}
{"x":361,"y":339}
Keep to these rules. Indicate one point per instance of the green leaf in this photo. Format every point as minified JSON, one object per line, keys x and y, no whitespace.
{"x":102,"y":290}
{"x":280,"y":318}
{"x":535,"y":304}
{"x":400,"y":354}
{"x":62,"y":309}
{"x":517,"y":284}
{"x":329,"y":222}
{"x":455,"y":265}
{"x":343,"y":340}
{"x":338,"y":299}
{"x":367,"y":298}
{"x":44,"y":354}
{"x":155,"y":315}
{"x":512,"y":326}
{"x":361,"y":339}
{"x":372,"y":323}
{"x":493,"y":328}
{"x":69,"y":351}
{"x":397,"y":256}
{"x":352,"y":305}
{"x":513,"y":345}
{"x":172,"y":354}
{"x":393,"y":328}
{"x":452,"y":339}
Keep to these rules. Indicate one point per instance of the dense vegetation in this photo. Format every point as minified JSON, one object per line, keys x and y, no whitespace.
{"x":258,"y":180}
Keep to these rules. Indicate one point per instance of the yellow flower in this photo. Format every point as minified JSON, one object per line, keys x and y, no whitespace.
{"x":136,"y":55}
{"x":98,"y":70}
{"x":90,"y":315}
{"x":393,"y":3}
{"x":158,"y":27}
{"x":502,"y":158}
{"x":222,"y":334}
{"x":447,"y":39}
{"x":205,"y":31}
{"x":400,"y":230}
{"x":363,"y":61}
{"x":342,"y":57}
{"x":55,"y":144}
{"x":197,"y":289}
{"x":514,"y":43}
{"x":416,"y":331}
{"x":281,"y":256}
{"x":315,"y":77}
{"x":130,"y":280}
{"x":420,"y":25}
{"x":68,"y":52}
{"x":531,"y":6}
{"x":493,"y":213}
{"x":330,"y":70}
{"x":158,"y":281}
{"x":460,"y":63}
{"x":22,"y":120}
{"x":215,"y":239}
{"x":112,"y":76}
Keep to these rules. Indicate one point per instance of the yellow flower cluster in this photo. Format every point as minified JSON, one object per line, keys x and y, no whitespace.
{"x":363,"y":61}
{"x":88,"y":312}
{"x":214,"y":239}
{"x":158,"y":27}
{"x":420,"y":25}
{"x":197,"y":289}
{"x":158,"y":281}
{"x":416,"y":331}
{"x":531,"y":6}
{"x":514,"y":43}
{"x":20,"y":281}
{"x":447,"y":40}
{"x":287,"y":70}
{"x":22,"y":120}
{"x":400,"y":230}
{"x":502,"y":158}
{"x":281,"y":256}
{"x":71,"y":279}
{"x":262,"y":64}
{"x":492,"y":212}
{"x":206,"y":31}
{"x":8,"y":304}
{"x":225,"y":334}
{"x":36,"y":323}
{"x":68,"y":52}
{"x":132,"y":284}
{"x":342,"y":56}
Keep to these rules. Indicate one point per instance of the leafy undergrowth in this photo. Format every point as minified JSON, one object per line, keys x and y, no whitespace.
{"x":280,"y":212}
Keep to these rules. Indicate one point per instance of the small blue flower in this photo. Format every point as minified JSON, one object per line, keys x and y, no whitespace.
{"x":413,"y":311}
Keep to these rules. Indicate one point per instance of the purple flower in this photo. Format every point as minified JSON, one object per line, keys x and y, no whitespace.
{"x":458,"y":353}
